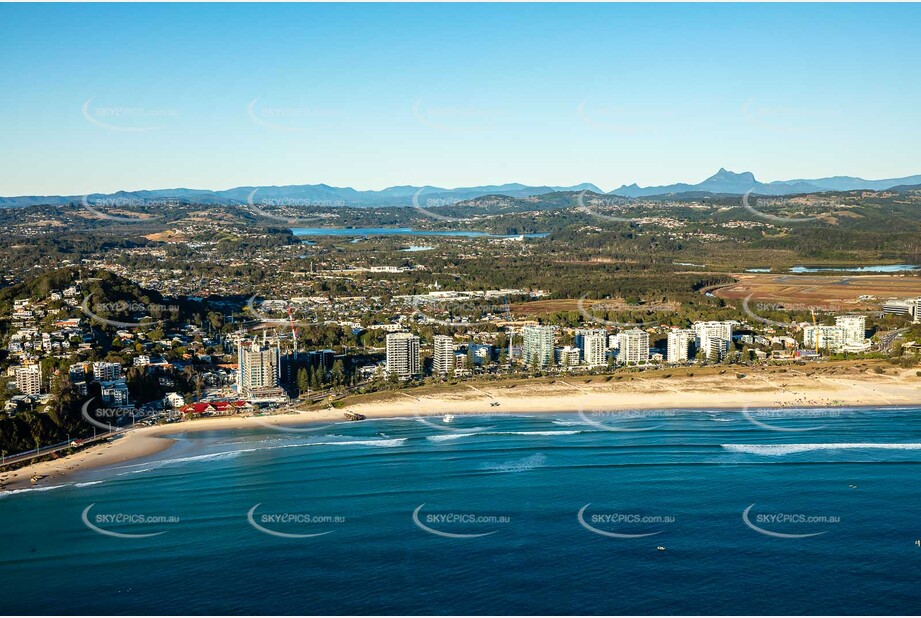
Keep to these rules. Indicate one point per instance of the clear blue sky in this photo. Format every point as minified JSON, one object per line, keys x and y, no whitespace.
{"x":452,"y":95}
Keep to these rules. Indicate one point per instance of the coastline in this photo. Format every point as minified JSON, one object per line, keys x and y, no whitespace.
{"x":791,"y":388}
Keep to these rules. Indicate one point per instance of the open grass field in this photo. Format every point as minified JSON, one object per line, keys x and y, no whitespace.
{"x":829,"y":291}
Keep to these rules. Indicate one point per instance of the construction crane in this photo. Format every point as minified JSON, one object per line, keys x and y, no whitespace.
{"x":293,"y":330}
{"x":815,"y":330}
{"x":511,"y":331}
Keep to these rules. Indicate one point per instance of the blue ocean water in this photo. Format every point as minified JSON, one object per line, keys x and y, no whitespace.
{"x":501,"y":514}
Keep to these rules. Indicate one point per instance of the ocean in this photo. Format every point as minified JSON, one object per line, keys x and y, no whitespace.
{"x":813,"y":511}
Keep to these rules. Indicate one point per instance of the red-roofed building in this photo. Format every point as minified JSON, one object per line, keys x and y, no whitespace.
{"x":214,"y":408}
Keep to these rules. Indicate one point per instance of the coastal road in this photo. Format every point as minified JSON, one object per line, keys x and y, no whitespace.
{"x":54,"y":448}
{"x":885,"y":341}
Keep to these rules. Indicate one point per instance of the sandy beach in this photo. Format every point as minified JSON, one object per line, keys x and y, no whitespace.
{"x":813,"y":386}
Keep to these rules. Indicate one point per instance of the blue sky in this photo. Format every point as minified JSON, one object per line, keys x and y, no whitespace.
{"x":109,"y":97}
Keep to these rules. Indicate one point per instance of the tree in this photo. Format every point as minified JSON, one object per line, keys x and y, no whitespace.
{"x":338,"y":373}
{"x":315,"y":380}
{"x":303,"y":381}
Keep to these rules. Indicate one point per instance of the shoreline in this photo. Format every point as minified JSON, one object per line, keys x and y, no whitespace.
{"x":776,"y":390}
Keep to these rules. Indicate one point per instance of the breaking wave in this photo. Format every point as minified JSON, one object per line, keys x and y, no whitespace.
{"x":775,"y":450}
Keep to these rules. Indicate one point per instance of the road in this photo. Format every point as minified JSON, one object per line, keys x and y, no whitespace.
{"x":885,"y":341}
{"x":48,"y":450}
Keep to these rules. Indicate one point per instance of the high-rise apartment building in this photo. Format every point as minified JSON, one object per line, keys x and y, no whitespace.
{"x":259,"y":367}
{"x":403,"y":355}
{"x":634,"y":347}
{"x":593,"y":344}
{"x":443,"y":360}
{"x":29,"y":379}
{"x":679,"y":344}
{"x":537,"y":345}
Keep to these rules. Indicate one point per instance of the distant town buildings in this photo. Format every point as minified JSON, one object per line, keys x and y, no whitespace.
{"x":403,"y":355}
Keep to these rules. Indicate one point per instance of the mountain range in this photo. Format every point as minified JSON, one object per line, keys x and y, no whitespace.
{"x":726,"y":182}
{"x":311,"y":195}
{"x":723,"y":182}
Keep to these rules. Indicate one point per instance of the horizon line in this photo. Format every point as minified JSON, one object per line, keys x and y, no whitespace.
{"x":455,"y":188}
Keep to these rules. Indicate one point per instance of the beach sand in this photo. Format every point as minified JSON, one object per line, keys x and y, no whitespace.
{"x":759,"y":388}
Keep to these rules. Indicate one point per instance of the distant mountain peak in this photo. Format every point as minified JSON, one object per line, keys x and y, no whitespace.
{"x":723,"y":174}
